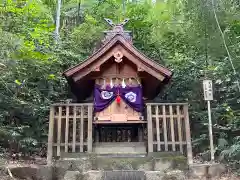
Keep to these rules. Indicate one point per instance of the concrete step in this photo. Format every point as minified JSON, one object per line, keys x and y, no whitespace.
{"x":124,"y":175}
{"x":120,"y":148}
{"x":137,"y":155}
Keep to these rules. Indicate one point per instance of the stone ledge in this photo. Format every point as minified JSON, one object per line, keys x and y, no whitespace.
{"x":72,"y":175}
{"x":209,"y":170}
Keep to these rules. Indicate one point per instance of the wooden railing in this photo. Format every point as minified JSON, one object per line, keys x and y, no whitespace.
{"x":168,"y":128}
{"x":70,"y":129}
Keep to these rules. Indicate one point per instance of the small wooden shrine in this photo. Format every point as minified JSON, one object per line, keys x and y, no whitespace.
{"x":110,"y":110}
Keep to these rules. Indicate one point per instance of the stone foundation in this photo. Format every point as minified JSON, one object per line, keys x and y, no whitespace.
{"x":153,"y":167}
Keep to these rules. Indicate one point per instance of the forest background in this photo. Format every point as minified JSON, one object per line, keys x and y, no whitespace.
{"x":194,"y":38}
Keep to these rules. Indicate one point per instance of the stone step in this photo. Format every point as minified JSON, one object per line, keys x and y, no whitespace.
{"x":137,"y":155}
{"x":124,"y":175}
{"x":120,"y":148}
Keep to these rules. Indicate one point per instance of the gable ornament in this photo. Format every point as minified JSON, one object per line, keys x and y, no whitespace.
{"x":118,"y":56}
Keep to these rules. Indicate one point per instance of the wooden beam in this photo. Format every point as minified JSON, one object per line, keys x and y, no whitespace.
{"x":74,"y":129}
{"x":142,"y":65}
{"x":158,"y":131}
{"x":50,"y":136}
{"x":81,"y":129}
{"x":188,"y":135}
{"x":90,"y":134}
{"x":172,"y":128}
{"x":59,"y":130}
{"x":179,"y":122}
{"x":150,"y":131}
{"x":67,"y":129}
{"x":126,"y":45}
{"x":165,"y":128}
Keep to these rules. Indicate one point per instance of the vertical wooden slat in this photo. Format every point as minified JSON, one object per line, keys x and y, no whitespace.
{"x":140,"y":134}
{"x":157,"y":128}
{"x":67,"y":129}
{"x":50,"y":136}
{"x":96,"y":134}
{"x":81,"y":129}
{"x":59,"y":131}
{"x":165,"y":127}
{"x":74,"y":129}
{"x":150,"y":132}
{"x":179,"y":129}
{"x":172,"y":128}
{"x":188,"y":135}
{"x":90,"y":109}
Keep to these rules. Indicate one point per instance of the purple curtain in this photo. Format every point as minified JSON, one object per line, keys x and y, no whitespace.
{"x":103,"y":97}
{"x":131,"y":95}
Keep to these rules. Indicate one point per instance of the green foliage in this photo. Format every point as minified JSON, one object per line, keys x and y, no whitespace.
{"x":177,"y":33}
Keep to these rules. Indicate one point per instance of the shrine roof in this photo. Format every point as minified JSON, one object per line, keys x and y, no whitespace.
{"x":117,"y":42}
{"x":147,"y":64}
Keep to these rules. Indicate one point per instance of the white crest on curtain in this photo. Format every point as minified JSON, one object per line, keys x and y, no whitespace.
{"x":106,"y":94}
{"x":131,"y":96}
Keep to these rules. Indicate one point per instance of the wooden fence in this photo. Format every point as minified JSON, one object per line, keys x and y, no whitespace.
{"x":168,"y":128}
{"x":70,"y":129}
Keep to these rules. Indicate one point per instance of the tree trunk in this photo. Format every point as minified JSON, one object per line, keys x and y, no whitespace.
{"x":58,"y":14}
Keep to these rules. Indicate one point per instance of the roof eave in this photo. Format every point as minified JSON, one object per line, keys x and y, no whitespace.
{"x":118,"y":38}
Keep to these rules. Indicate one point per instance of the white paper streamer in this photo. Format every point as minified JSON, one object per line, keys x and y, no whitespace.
{"x":111,"y":83}
{"x":104,"y":82}
{"x":123,"y":83}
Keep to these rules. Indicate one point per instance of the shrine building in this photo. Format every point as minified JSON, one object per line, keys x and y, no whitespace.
{"x":113,"y":109}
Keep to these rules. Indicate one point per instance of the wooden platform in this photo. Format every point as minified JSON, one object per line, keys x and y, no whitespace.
{"x":119,"y":122}
{"x":120,"y":148}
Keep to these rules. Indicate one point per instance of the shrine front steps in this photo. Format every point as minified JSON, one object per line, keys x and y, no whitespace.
{"x":160,"y":161}
{"x":120,"y":148}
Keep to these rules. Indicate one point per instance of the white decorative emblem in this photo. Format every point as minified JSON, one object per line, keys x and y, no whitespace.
{"x":118,"y":56}
{"x":106,"y":94}
{"x":131,"y":96}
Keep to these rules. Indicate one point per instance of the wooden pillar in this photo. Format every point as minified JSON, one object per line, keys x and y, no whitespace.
{"x":50,"y":136}
{"x":149,"y":125}
{"x":188,"y":135}
{"x":74,"y":129}
{"x":165,"y":128}
{"x":158,"y":130}
{"x":67,"y":129}
{"x":172,"y":128}
{"x":59,"y":131}
{"x":90,"y":117}
{"x":82,"y":129}
{"x":179,"y":125}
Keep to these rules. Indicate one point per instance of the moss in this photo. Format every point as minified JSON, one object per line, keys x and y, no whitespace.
{"x":175,"y":162}
{"x":120,"y":163}
{"x":92,"y":161}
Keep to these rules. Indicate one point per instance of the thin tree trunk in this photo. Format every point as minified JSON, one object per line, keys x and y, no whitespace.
{"x":58,"y":14}
{"x":225,"y":45}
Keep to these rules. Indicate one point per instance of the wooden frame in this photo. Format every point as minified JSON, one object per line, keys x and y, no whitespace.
{"x":67,"y":132}
{"x":175,"y":130}
{"x":71,"y":128}
{"x":118,"y":39}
